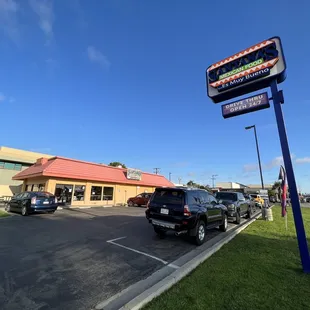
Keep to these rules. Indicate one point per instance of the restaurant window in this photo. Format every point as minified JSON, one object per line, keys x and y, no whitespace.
{"x":95,"y":193}
{"x":63,"y":193}
{"x":41,"y":187}
{"x":35,"y":188}
{"x":29,"y":188}
{"x":79,"y":191}
{"x":108,"y":193}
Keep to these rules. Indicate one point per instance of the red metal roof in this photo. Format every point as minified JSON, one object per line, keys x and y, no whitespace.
{"x":61,"y":167}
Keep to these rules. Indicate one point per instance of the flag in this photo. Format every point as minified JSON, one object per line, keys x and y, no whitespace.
{"x":282,"y":177}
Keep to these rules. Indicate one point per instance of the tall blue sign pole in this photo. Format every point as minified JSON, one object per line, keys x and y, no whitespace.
{"x":259,"y":66}
{"x":300,"y":229}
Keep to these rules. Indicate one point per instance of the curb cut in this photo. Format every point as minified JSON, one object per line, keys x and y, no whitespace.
{"x":166,"y":282}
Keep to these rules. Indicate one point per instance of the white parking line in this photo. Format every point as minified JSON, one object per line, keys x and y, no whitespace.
{"x":139,"y":252}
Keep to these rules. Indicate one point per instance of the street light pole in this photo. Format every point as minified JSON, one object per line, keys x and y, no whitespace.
{"x":258,"y":155}
{"x":213,"y":179}
{"x":170,"y":176}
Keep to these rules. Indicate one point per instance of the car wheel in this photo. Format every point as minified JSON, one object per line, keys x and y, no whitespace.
{"x":238,"y":218}
{"x":224,"y":226}
{"x":24,"y":211}
{"x":200,"y":233}
{"x":249,"y":213}
{"x":131,"y":204}
{"x":160,"y":232}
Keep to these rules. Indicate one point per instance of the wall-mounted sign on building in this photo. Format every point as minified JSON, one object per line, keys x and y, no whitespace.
{"x":133,"y":174}
{"x":246,"y":105}
{"x":246,"y":71}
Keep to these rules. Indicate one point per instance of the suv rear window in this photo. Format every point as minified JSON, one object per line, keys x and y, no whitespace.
{"x":226,"y":196}
{"x":166,"y":197}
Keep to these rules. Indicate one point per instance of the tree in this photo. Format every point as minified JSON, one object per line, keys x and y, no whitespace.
{"x":117,"y":164}
{"x":197,"y":185}
{"x":191,"y":183}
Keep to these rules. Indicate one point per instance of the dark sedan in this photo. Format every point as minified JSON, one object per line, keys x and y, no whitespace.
{"x":32,"y":202}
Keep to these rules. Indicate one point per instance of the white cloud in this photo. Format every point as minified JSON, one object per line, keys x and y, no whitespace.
{"x":96,"y":56}
{"x":8,"y":19}
{"x":304,"y":160}
{"x":276,"y":162}
{"x":44,"y":10}
{"x":250,"y":167}
{"x":2,"y":97}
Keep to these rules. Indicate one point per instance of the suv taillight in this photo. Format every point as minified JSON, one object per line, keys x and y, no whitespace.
{"x":33,"y":200}
{"x":187,"y":212}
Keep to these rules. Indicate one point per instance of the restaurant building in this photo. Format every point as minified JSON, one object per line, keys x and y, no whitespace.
{"x":79,"y":183}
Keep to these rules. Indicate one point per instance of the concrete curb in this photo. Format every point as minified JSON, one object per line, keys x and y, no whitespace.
{"x":163,"y":279}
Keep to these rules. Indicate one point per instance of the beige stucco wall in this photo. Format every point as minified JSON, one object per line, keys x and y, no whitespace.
{"x":120,"y":195}
{"x":9,"y":187}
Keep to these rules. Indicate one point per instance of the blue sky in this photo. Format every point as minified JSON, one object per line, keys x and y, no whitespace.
{"x":125,"y":80}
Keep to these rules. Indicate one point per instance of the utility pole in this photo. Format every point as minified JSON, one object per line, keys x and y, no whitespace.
{"x":170,"y":176}
{"x":156,"y":170}
{"x":213,"y":179}
{"x":180,"y":180}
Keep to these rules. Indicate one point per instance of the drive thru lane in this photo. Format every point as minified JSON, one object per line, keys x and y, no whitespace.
{"x":63,"y":261}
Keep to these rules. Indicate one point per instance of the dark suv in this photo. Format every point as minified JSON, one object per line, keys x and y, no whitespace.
{"x":187,"y":211}
{"x":236,"y":204}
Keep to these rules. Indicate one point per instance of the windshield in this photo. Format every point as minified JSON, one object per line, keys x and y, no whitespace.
{"x":226,"y":196}
{"x":168,"y":197}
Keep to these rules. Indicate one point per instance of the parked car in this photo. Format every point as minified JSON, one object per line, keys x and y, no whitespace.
{"x":236,"y":204}
{"x":185,"y":211}
{"x":139,"y":200}
{"x":258,"y":200}
{"x":251,"y":202}
{"x":31,"y":202}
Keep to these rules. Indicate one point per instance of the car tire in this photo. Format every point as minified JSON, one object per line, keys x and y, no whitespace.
{"x":238,"y":217}
{"x":224,"y":226}
{"x":200,"y":233}
{"x":249,"y":213}
{"x":131,"y":204}
{"x":24,"y":211}
{"x":160,"y":232}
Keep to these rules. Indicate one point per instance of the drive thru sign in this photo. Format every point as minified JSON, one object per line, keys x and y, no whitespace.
{"x":260,"y":66}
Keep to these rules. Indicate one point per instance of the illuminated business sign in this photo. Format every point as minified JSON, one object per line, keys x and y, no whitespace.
{"x":247,"y":71}
{"x":134,"y":174}
{"x":246,"y":105}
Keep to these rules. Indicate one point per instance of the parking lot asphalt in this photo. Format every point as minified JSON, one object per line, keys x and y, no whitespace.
{"x":75,"y":258}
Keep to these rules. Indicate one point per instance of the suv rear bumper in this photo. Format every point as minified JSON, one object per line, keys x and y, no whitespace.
{"x":172,"y":226}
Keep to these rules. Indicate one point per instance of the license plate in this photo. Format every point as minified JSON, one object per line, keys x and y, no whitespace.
{"x":45,"y":202}
{"x":164,"y":211}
